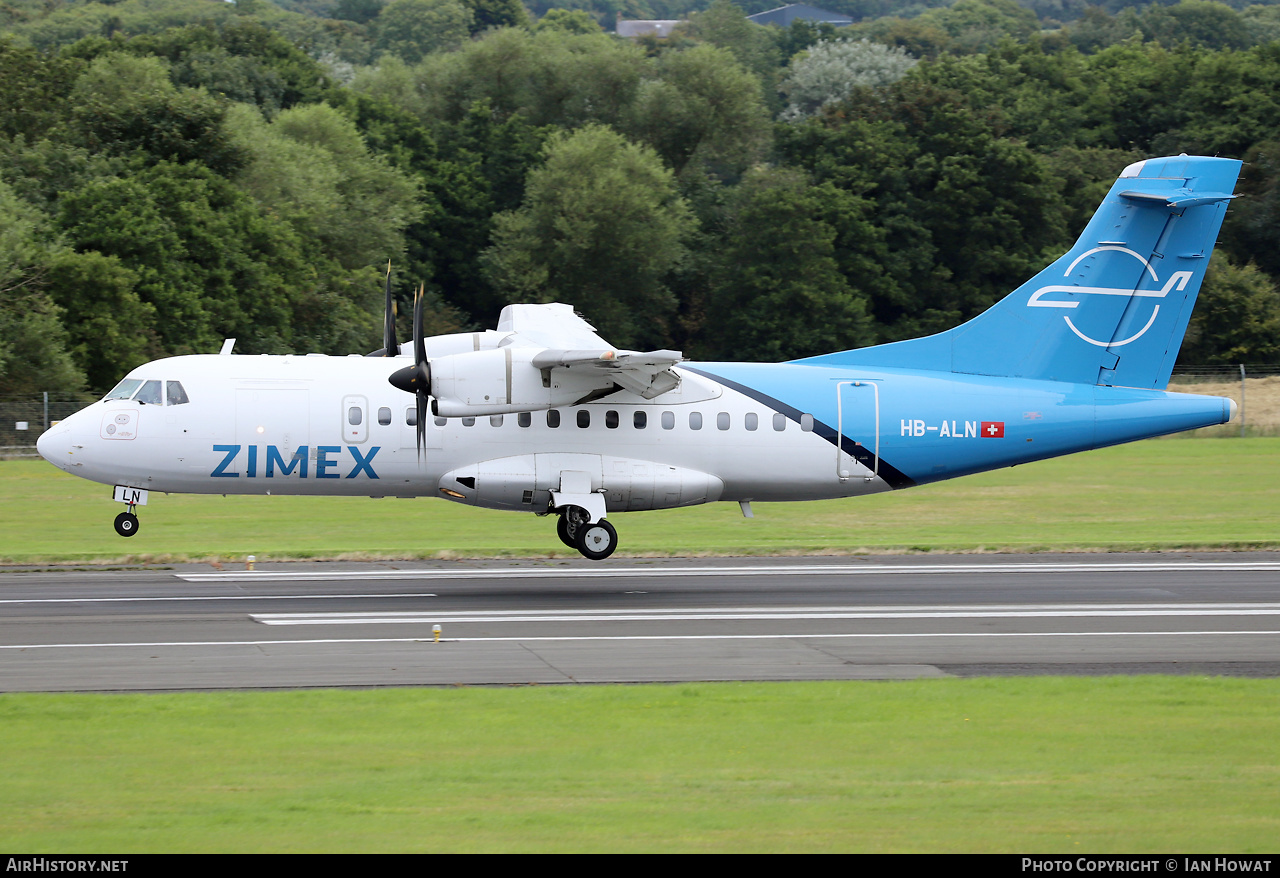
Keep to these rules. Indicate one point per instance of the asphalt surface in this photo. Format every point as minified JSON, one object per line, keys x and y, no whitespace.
{"x":518,"y":622}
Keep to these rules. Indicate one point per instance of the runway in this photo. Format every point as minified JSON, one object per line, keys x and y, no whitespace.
{"x":544,"y":622}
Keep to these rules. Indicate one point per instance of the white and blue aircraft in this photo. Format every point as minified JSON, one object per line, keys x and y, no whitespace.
{"x":542,"y":415}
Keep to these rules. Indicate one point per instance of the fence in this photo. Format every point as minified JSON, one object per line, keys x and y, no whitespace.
{"x":1254,"y":387}
{"x":1202,"y":374}
{"x":24,"y":418}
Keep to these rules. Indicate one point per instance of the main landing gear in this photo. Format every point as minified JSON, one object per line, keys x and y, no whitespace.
{"x":127,"y":523}
{"x":596,"y":541}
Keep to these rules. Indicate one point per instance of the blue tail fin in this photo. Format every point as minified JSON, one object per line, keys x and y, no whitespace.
{"x":1113,"y":309}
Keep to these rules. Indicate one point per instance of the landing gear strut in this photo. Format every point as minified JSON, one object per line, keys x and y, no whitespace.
{"x":127,"y":523}
{"x":596,"y":541}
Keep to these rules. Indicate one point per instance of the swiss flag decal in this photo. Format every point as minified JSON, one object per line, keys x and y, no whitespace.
{"x":993,"y":429}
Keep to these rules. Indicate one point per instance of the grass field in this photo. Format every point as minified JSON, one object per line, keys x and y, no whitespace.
{"x":1162,"y":494}
{"x":1154,"y":764}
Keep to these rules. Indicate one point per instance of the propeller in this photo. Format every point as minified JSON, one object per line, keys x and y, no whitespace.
{"x":416,"y":379}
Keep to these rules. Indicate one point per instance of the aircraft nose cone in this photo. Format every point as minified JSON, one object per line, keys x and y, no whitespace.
{"x":54,"y":445}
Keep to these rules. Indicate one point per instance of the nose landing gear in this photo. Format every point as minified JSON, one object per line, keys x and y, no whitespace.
{"x":127,"y":523}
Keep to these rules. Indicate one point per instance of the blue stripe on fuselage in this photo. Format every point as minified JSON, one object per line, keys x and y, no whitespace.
{"x":1039,"y":419}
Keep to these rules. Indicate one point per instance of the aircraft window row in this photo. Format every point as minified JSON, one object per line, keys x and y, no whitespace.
{"x":612,"y":420}
{"x":149,"y":392}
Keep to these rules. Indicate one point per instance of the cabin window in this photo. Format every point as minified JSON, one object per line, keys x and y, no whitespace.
{"x":751,"y":421}
{"x":779,"y":421}
{"x":468,"y":422}
{"x":355,"y":415}
{"x":174,"y":394}
{"x":806,"y":422}
{"x":524,"y":419}
{"x":411,"y":417}
{"x":440,"y":422}
{"x":384,"y":416}
{"x":125,"y":389}
{"x":722,"y":421}
{"x":639,"y":420}
{"x":695,"y":420}
{"x":611,"y":420}
{"x":553,"y":417}
{"x":584,"y":418}
{"x":668,"y":420}
{"x":495,"y":420}
{"x":150,"y":394}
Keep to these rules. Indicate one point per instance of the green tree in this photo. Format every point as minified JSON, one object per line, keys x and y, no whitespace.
{"x":829,"y":71}
{"x":33,"y":88}
{"x":359,"y":11}
{"x":486,"y":14}
{"x":965,"y":215}
{"x":575,"y":21}
{"x":205,"y":259}
{"x":700,"y":105}
{"x":551,"y":77}
{"x":413,"y":29}
{"x":240,"y":60}
{"x":779,"y":291}
{"x":601,"y":227}
{"x":109,"y":328}
{"x":33,"y":344}
{"x":725,"y":25}
{"x":123,"y":104}
{"x":976,"y":25}
{"x":1236,"y":319}
{"x":1196,"y":23}
{"x":311,"y":168}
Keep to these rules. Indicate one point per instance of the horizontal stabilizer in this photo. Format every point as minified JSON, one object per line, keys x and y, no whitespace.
{"x":1178,"y":200}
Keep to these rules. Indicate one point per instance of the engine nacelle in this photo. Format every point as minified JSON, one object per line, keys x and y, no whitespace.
{"x":525,"y":482}
{"x":502,"y":381}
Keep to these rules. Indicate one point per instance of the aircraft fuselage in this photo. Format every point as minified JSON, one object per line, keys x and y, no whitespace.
{"x":732,"y":431}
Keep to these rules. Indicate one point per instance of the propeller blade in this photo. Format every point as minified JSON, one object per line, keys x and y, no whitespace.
{"x":422,"y":424}
{"x":419,"y":343}
{"x":390,"y":347}
{"x":422,"y":367}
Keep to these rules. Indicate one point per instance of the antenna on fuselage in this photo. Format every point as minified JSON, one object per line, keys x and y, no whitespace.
{"x":227,"y":345}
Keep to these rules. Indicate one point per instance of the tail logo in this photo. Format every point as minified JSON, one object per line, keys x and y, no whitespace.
{"x":1177,"y":281}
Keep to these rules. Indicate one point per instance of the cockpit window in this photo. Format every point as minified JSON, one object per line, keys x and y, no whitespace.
{"x":174,"y":394}
{"x":150,"y":394}
{"x":124,"y":389}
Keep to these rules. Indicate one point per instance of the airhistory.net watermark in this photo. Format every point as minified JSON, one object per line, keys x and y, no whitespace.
{"x":64,"y":864}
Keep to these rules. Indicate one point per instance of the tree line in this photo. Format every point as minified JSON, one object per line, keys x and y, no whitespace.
{"x":174,"y":172}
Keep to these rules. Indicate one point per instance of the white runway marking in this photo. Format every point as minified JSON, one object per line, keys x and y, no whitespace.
{"x":742,"y":570}
{"x":564,"y":638}
{"x":772,"y":614}
{"x":219,"y":597}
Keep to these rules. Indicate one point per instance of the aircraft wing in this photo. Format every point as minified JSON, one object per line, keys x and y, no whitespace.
{"x":553,"y":326}
{"x":647,"y":374}
{"x":569,"y":342}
